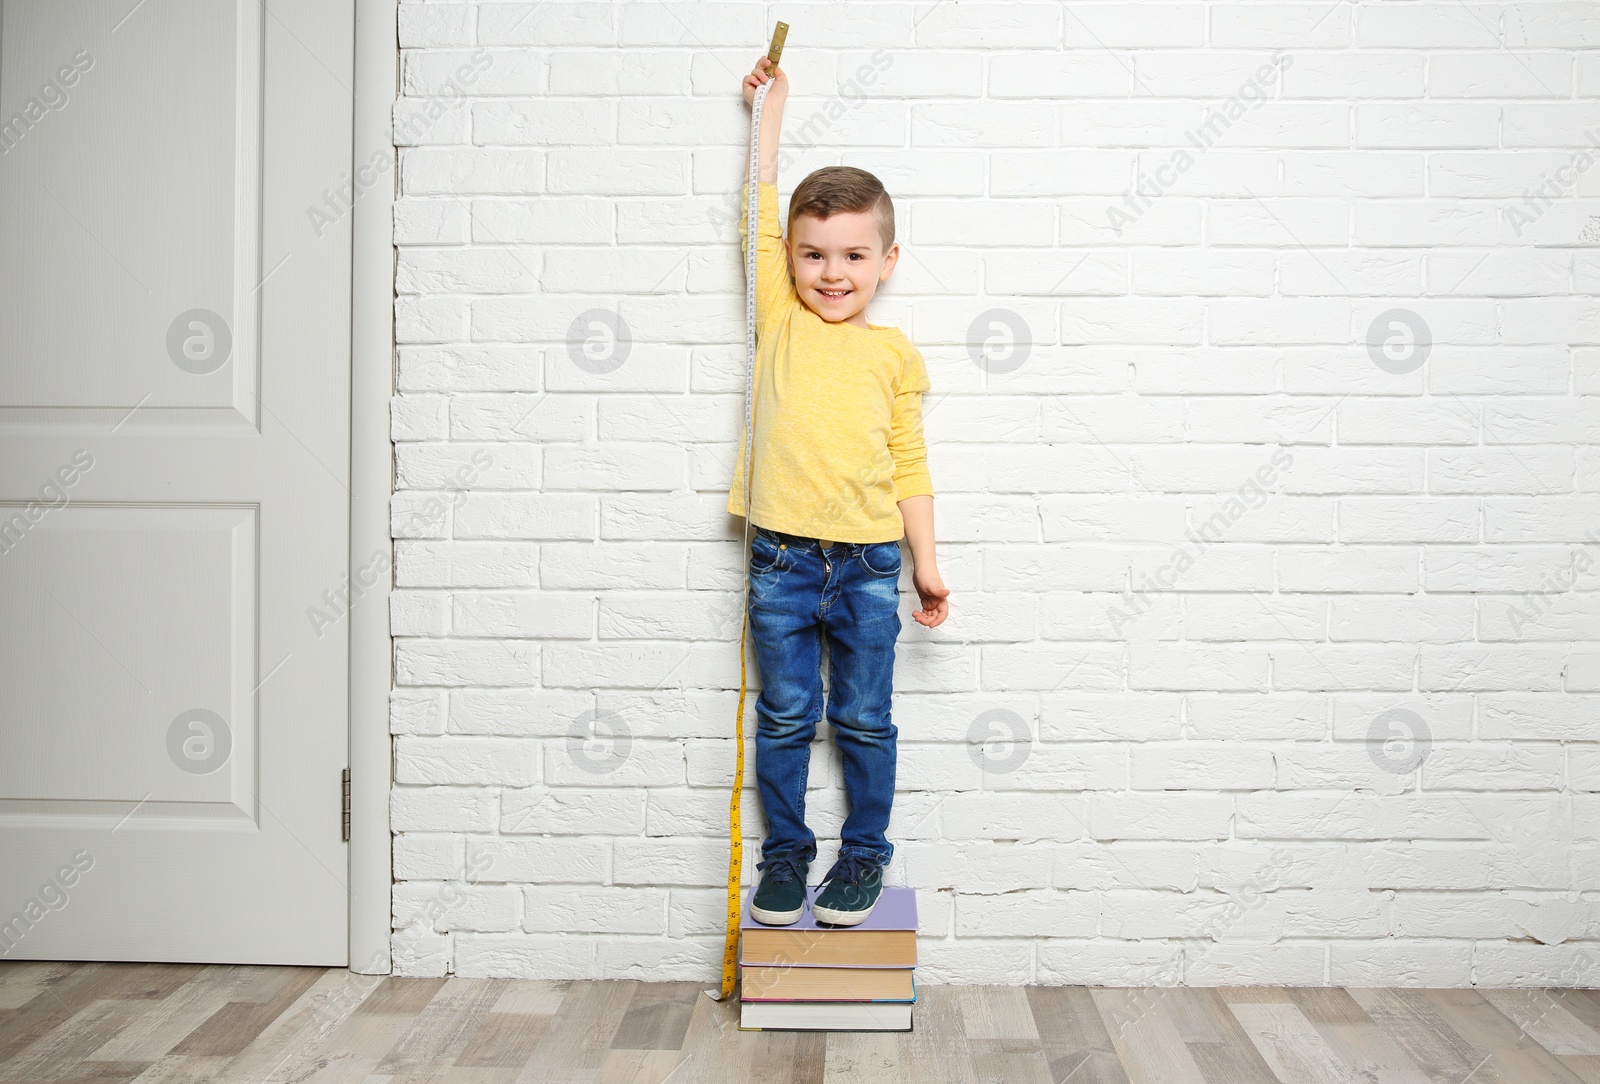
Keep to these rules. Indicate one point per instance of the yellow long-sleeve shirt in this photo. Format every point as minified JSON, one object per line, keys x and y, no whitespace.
{"x":838,"y":411}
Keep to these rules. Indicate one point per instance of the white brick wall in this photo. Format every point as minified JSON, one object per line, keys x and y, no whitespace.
{"x":1204,"y":535}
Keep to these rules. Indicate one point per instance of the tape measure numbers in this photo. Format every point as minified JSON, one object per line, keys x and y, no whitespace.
{"x":730,"y":945}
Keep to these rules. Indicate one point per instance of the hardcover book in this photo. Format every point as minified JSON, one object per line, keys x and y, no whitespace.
{"x":887,"y":938}
{"x":779,"y":982}
{"x":823,"y":1016}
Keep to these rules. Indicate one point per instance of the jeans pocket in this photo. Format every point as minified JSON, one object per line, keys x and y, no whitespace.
{"x":764,"y":554}
{"x":881,"y":559}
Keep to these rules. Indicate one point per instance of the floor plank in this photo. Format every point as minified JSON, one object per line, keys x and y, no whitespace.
{"x":455,"y":1075}
{"x":93,"y":1072}
{"x":1355,"y":1040}
{"x":862,"y":1057}
{"x":657,"y":1016}
{"x":1192,"y":1016}
{"x":503,"y":1040}
{"x":440,"y":1033}
{"x":1586,"y":1069}
{"x":164,"y":1024}
{"x":183,"y":1069}
{"x":1432,"y":1045}
{"x":1073,"y":1036}
{"x":352,"y":1051}
{"x":1508,"y":1049}
{"x":1544,"y":1016}
{"x":20,"y":981}
{"x":1003,"y":1041}
{"x":936,"y":1046}
{"x":404,"y":997}
{"x":66,"y":1047}
{"x":1232,"y":1058}
{"x":236,"y":1025}
{"x":56,"y":1002}
{"x":1145,"y":1039}
{"x":291,"y":1043}
{"x":540,"y":997}
{"x":796,"y":1057}
{"x":574,"y":1045}
{"x":628,"y":1065}
{"x":1579,"y":1004}
{"x":1291,"y":1047}
{"x":713,"y":1047}
{"x":95,"y":1023}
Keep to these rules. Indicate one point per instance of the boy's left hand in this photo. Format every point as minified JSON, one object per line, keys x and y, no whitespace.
{"x":933,"y":593}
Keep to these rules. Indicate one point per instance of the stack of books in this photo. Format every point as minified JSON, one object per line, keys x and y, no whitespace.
{"x":814,"y":977}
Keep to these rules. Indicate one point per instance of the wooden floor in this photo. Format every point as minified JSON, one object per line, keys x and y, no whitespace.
{"x":176,"y":1024}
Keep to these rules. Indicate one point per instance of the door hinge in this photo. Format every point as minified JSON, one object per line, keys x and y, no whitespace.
{"x":344,"y":805}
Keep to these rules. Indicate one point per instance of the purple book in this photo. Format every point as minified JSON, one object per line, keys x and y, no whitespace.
{"x":887,"y":937}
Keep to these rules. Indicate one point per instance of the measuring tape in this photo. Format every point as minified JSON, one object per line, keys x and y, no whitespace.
{"x":730,"y":944}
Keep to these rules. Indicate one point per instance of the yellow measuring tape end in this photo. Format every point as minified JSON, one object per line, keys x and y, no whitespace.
{"x":730,"y":945}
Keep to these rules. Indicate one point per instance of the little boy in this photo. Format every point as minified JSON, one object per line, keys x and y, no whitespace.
{"x":840,"y":476}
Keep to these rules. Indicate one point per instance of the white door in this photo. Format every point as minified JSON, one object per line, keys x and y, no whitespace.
{"x":174,"y":450}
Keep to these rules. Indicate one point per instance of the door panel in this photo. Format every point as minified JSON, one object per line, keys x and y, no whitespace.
{"x":174,"y":447}
{"x":157,"y":650}
{"x":128,"y":249}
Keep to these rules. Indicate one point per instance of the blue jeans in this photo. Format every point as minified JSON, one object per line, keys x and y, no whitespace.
{"x":800,"y":593}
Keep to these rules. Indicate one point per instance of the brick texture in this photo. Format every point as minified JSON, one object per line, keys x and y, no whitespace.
{"x":1266,"y":438}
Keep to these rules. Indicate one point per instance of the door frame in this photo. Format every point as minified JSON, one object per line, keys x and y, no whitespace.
{"x":372,"y":364}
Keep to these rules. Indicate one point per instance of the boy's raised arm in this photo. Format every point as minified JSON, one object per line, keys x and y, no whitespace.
{"x":771,"y":115}
{"x":775,"y":290}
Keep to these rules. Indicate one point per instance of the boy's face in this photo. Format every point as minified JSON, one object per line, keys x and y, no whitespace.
{"x":837,"y":263}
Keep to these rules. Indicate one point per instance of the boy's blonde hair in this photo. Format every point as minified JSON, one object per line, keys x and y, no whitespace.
{"x":832,"y":189}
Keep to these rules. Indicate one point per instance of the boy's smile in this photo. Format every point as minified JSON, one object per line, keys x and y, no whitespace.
{"x":837,"y":263}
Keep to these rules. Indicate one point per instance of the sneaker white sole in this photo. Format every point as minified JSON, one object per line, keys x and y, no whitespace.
{"x":776,"y":918}
{"x":841,"y":918}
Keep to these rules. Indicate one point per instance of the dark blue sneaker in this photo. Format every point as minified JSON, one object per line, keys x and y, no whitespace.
{"x":849,"y":891}
{"x":780,"y":898}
